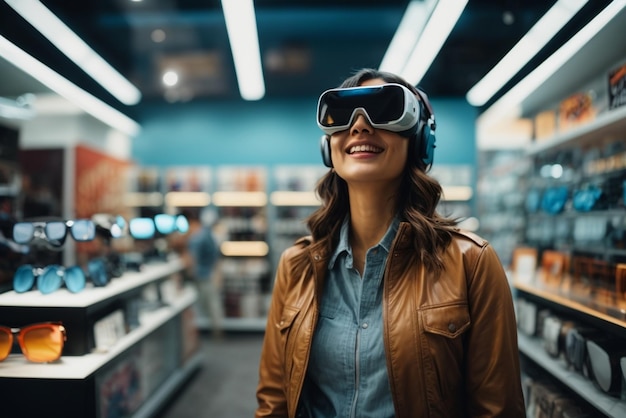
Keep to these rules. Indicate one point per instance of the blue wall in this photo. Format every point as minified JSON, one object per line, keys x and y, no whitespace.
{"x":269,"y":133}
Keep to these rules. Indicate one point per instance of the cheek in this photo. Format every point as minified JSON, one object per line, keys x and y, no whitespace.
{"x":335,"y":148}
{"x":402,"y":150}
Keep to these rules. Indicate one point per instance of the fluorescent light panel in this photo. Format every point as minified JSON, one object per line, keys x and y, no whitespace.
{"x":62,"y":86}
{"x":244,"y":248}
{"x":510,"y":103}
{"x":527,"y":47}
{"x":76,"y":49}
{"x":251,"y":199}
{"x":457,"y":193}
{"x":244,"y":44}
{"x":438,"y":28}
{"x":290,"y":198}
{"x":406,"y":36}
{"x":187,"y":199}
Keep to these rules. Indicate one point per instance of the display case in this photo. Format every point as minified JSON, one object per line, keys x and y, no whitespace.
{"x":129,"y":345}
{"x":566,"y":269}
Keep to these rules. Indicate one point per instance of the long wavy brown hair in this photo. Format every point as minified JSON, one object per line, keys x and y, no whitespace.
{"x":416,"y":203}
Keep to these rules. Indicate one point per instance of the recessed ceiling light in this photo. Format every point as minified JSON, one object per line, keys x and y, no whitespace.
{"x":508,"y":17}
{"x":170,"y":78}
{"x":158,"y":36}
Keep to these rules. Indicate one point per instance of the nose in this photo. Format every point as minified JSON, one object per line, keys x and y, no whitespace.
{"x":361,"y":125}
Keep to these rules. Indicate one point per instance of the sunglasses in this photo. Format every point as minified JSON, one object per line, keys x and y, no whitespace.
{"x":40,"y":343}
{"x":54,"y":232}
{"x":109,"y":226}
{"x":392,"y":107}
{"x":142,"y":228}
{"x":163,"y":223}
{"x":51,"y":278}
{"x":167,"y":224}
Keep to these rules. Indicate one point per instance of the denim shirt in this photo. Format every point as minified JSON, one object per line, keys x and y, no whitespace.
{"x":347,"y":371}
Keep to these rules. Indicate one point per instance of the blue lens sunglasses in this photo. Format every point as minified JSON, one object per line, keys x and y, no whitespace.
{"x":51,"y":278}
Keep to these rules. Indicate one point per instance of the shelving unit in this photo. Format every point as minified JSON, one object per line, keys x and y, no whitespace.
{"x":292,"y":200}
{"x":606,"y":404}
{"x":588,"y":152}
{"x":241,"y":202}
{"x":563,"y":304}
{"x":132,"y":376}
{"x":500,"y":200}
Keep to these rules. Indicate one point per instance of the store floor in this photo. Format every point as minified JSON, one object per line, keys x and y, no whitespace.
{"x":225,"y":384}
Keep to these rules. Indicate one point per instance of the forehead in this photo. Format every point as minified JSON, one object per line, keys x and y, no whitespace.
{"x":373,"y":82}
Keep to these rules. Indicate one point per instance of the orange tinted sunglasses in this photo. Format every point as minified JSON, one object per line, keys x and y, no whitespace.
{"x":40,"y":343}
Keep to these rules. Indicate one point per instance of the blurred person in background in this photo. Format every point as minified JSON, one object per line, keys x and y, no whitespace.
{"x":203,"y":256}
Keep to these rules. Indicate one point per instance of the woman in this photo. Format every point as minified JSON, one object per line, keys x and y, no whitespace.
{"x":388,"y":309}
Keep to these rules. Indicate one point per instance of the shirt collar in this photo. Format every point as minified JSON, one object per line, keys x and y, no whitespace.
{"x":344,"y":244}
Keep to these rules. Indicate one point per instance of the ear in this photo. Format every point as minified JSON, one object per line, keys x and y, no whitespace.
{"x":325,"y":149}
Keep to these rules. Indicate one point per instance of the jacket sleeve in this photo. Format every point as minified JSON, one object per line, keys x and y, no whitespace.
{"x":271,"y":398}
{"x":493,"y":365}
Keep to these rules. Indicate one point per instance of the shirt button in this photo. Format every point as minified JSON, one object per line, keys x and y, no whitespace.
{"x":451,"y":327}
{"x":365,"y":325}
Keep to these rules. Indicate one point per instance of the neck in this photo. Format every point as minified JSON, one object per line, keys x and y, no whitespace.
{"x":371,"y":212}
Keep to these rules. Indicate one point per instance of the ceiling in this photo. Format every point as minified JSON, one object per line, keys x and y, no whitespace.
{"x":306,"y":45}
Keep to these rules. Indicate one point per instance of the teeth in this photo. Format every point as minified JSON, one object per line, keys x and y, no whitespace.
{"x":364,"y":148}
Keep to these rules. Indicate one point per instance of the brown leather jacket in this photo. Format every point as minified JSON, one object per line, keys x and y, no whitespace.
{"x":450,"y":341}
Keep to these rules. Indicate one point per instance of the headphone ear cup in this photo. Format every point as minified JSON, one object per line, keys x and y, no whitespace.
{"x":427,"y":145}
{"x":325,"y":149}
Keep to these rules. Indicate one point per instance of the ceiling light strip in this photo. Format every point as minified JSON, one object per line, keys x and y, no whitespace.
{"x":61,"y":36}
{"x":509,"y":105}
{"x":438,"y":28}
{"x":406,"y":36}
{"x":530,"y":44}
{"x":62,"y":86}
{"x":244,"y":44}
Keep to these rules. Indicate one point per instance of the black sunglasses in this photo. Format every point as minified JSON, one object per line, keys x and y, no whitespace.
{"x":54,"y":232}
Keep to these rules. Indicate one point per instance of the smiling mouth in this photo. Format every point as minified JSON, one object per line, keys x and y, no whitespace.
{"x":365,"y":148}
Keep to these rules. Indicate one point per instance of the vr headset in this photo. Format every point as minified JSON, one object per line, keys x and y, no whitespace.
{"x":392,"y":107}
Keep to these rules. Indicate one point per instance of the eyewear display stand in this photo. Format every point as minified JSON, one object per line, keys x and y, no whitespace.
{"x":129,"y":346}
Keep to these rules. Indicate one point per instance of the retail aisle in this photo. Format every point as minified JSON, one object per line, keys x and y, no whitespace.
{"x":225,"y":384}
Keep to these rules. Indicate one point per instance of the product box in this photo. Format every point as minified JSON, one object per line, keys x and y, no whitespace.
{"x":576,"y":110}
{"x":545,"y":125}
{"x":617,"y":87}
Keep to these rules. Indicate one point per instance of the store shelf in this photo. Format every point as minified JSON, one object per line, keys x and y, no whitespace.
{"x":566,"y":300}
{"x":611,"y":124}
{"x":80,"y":367}
{"x":92,"y":295}
{"x":533,"y":349}
{"x":154,"y":357}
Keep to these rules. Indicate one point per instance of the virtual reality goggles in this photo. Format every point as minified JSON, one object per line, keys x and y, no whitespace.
{"x":392,"y":107}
